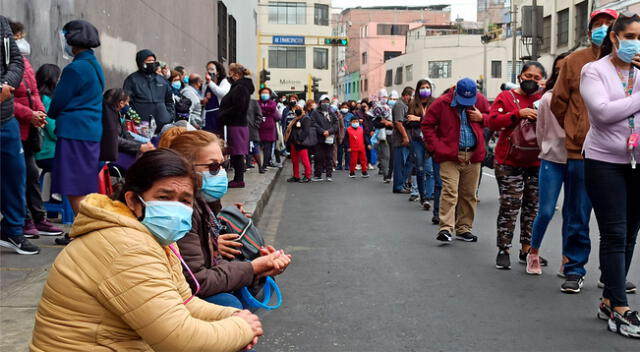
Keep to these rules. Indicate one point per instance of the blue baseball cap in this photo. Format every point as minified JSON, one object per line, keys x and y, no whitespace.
{"x":466,"y":90}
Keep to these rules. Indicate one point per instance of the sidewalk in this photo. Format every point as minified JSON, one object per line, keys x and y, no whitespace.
{"x":22,"y":277}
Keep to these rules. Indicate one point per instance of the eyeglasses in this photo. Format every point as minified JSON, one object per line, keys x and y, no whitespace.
{"x":214,"y":167}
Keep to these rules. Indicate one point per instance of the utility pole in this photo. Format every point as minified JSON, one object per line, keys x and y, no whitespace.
{"x":484,"y":69}
{"x":534,"y":30}
{"x":514,"y":22}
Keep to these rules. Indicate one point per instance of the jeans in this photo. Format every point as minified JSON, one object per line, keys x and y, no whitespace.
{"x":615,"y":192}
{"x":343,"y":154}
{"x":401,"y":154}
{"x":267,"y":148}
{"x":225,"y":299}
{"x":13,"y":176}
{"x":437,"y":189}
{"x":576,"y":212}
{"x":552,"y":176}
{"x":383,"y":157}
{"x":35,"y":207}
{"x":424,"y":169}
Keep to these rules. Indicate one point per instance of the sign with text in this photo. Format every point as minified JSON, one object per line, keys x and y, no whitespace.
{"x":288,"y":40}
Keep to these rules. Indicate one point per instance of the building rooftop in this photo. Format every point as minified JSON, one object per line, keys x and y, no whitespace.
{"x":442,"y":7}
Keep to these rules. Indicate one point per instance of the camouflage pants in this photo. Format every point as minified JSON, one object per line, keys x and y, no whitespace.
{"x":518,"y":188}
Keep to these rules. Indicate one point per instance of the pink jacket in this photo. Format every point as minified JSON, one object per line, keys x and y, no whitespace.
{"x":23,"y":112}
{"x":550,"y":134}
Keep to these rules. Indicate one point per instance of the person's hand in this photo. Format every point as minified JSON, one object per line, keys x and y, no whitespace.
{"x":250,"y":346}
{"x":474,"y":114}
{"x":227,"y":246}
{"x":372,"y":133}
{"x":280,"y":264}
{"x":7,"y":90}
{"x":413,"y":118}
{"x":528,"y":113}
{"x":254,"y":322}
{"x":325,"y":133}
{"x":38,"y":119}
{"x":369,"y":147}
{"x":147,"y":147}
{"x":349,"y":150}
{"x":387,"y":123}
{"x":636,"y":61}
{"x":207,"y":77}
{"x":405,"y":141}
{"x":240,"y":207}
{"x":271,"y":264}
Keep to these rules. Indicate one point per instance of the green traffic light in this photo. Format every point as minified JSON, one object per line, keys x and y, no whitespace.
{"x":344,"y":41}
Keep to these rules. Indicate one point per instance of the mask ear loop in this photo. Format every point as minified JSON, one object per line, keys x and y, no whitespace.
{"x":144,"y":207}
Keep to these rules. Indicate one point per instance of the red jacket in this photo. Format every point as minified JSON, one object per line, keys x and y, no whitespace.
{"x":503,"y":117}
{"x":22,"y":111}
{"x":441,"y":129}
{"x":356,"y":139}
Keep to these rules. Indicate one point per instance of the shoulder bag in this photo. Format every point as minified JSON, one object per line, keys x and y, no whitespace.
{"x":523,"y":145}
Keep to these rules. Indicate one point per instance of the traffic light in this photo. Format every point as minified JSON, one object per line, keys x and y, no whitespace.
{"x":336,"y":41}
{"x":264,"y":77}
{"x":314,"y":85}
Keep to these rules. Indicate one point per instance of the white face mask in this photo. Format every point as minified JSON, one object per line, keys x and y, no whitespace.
{"x":24,"y":46}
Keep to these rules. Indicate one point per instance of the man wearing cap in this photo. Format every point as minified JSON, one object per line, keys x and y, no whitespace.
{"x":454,"y":135}
{"x":326,"y":125}
{"x":568,"y":107}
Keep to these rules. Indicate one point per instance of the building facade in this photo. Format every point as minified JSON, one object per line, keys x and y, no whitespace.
{"x":292,"y":46}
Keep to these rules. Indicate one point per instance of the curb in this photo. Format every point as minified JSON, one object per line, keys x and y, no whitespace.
{"x":264,"y":198}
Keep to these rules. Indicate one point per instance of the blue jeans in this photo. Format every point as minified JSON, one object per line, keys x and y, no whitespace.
{"x":437,"y":189}
{"x":225,"y":299}
{"x":343,"y":154}
{"x":401,"y":154}
{"x":13,"y":178}
{"x":552,"y":176}
{"x":419,"y":153}
{"x":576,"y":212}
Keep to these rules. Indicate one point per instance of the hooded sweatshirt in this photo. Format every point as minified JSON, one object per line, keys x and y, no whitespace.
{"x":115,"y":288}
{"x":149,"y":93}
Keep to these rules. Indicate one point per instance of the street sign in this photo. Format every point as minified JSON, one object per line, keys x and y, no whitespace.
{"x":288,"y":40}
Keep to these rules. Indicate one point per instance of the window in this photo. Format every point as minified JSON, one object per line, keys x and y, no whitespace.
{"x":287,"y":57}
{"x":321,"y":15}
{"x":392,"y":29}
{"x":496,"y":69}
{"x":509,"y":69}
{"x":546,"y":34}
{"x":364,"y":58}
{"x":440,"y":69}
{"x":391,"y":54}
{"x":222,"y":32}
{"x":287,"y":12}
{"x":582,"y":18}
{"x":398,"y":79}
{"x":321,"y":58}
{"x":366,"y":84}
{"x":232,"y":39}
{"x":408,"y":72}
{"x":563,"y":27}
{"x":388,"y":78}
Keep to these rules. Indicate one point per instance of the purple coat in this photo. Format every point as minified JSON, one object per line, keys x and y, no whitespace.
{"x":269,"y":115}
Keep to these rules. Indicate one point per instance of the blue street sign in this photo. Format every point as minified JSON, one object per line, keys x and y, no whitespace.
{"x":288,"y":40}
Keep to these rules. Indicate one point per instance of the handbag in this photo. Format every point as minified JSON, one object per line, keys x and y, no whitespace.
{"x":523,"y":145}
{"x":104,"y":181}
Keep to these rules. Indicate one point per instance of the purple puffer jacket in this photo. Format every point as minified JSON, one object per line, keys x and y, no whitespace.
{"x":270,"y":116}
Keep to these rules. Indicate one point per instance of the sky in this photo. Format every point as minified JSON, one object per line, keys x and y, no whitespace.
{"x":459,"y":8}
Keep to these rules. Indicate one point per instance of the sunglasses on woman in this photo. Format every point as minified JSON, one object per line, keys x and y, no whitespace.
{"x":215,"y":167}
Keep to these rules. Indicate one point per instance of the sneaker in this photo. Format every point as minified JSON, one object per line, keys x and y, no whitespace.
{"x":236,"y":184}
{"x":316,"y":179}
{"x":370,"y":167}
{"x":19,"y":243}
{"x":45,"y":228}
{"x":573,"y":284}
{"x":352,"y":175}
{"x":63,"y":241}
{"x":339,"y":168}
{"x":305,"y":180}
{"x":561,"y":273}
{"x":629,"y":286}
{"x":413,"y":197}
{"x":522,"y":259}
{"x":358,"y":167}
{"x":466,"y":237}
{"x":533,"y":264}
{"x":293,"y":179}
{"x":329,"y":179}
{"x":627,"y":324}
{"x":426,"y":205}
{"x":387,"y":180}
{"x":444,"y":236}
{"x":503,"y":260}
{"x":435,"y":220}
{"x":29,"y":230}
{"x":262,"y":170}
{"x":404,"y":191}
{"x":365,"y":175}
{"x":604,"y":311}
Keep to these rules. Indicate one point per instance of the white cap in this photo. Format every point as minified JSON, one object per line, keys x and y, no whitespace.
{"x":383,"y":93}
{"x":301,"y":103}
{"x":323,"y":97}
{"x":394,"y":95}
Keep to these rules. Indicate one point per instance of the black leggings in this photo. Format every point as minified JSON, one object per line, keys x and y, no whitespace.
{"x":266,"y":151}
{"x":238,"y":164}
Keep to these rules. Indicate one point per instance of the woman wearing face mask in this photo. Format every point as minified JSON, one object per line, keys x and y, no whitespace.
{"x":47,"y":77}
{"x":610,"y":88}
{"x":216,"y":87}
{"x":516,"y":171}
{"x":203,"y":247}
{"x":270,"y":117}
{"x":175,"y":83}
{"x":297,"y":131}
{"x":120,"y":285}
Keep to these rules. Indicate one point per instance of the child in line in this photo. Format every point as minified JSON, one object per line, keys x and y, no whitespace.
{"x":357,"y":147}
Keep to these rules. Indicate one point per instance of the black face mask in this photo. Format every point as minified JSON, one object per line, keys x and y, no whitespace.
{"x":150,"y":67}
{"x":298,"y":112}
{"x":529,"y":86}
{"x":292,"y":103}
{"x":230,"y":79}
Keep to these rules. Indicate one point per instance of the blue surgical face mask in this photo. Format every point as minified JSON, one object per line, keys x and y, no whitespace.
{"x":176,"y":85}
{"x":392,"y":103}
{"x":264,"y":97}
{"x":355,"y":124}
{"x":598,"y":34}
{"x":168,"y":221}
{"x":185,"y":80}
{"x":68,"y":50}
{"x":628,"y":48}
{"x":214,"y":187}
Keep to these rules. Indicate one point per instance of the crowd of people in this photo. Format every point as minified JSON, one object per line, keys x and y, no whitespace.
{"x":166,"y":265}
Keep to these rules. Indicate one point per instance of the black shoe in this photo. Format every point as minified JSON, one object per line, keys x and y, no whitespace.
{"x":466,"y":237}
{"x":413,"y":197}
{"x":503,"y":260}
{"x":573,"y":284}
{"x":386,"y":180}
{"x":293,"y":179}
{"x":365,"y":175}
{"x":426,"y":205}
{"x":63,"y":241}
{"x":627,"y":324}
{"x":352,"y":175}
{"x":305,"y":180}
{"x":629,"y":286}
{"x":604,"y":311}
{"x":444,"y":236}
{"x":249,"y":166}
{"x":19,"y":243}
{"x":262,"y":170}
{"x":522,"y":259}
{"x":435,"y":220}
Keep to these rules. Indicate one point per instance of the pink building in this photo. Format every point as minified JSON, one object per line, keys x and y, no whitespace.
{"x":375,"y":35}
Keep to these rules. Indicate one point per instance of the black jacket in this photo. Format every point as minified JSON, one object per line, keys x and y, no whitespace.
{"x":324,"y":123}
{"x":150,"y":94}
{"x":115,"y":136}
{"x":299,"y":134}
{"x":11,"y":66}
{"x":234,"y":105}
{"x":254,"y":119}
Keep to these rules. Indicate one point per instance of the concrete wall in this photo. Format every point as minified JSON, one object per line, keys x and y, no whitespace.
{"x":179,"y":32}
{"x":246,"y":14}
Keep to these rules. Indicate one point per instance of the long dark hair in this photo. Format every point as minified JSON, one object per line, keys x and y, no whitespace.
{"x":115,"y":95}
{"x":624,"y":20}
{"x":221,"y":73}
{"x":527,"y":65}
{"x":47,"y":78}
{"x":555,"y":72}
{"x":415,"y":107}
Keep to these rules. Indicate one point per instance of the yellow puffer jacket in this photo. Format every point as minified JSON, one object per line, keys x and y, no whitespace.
{"x":115,"y":288}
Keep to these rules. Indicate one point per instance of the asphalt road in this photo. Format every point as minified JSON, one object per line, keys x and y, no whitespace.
{"x":368,"y":275}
